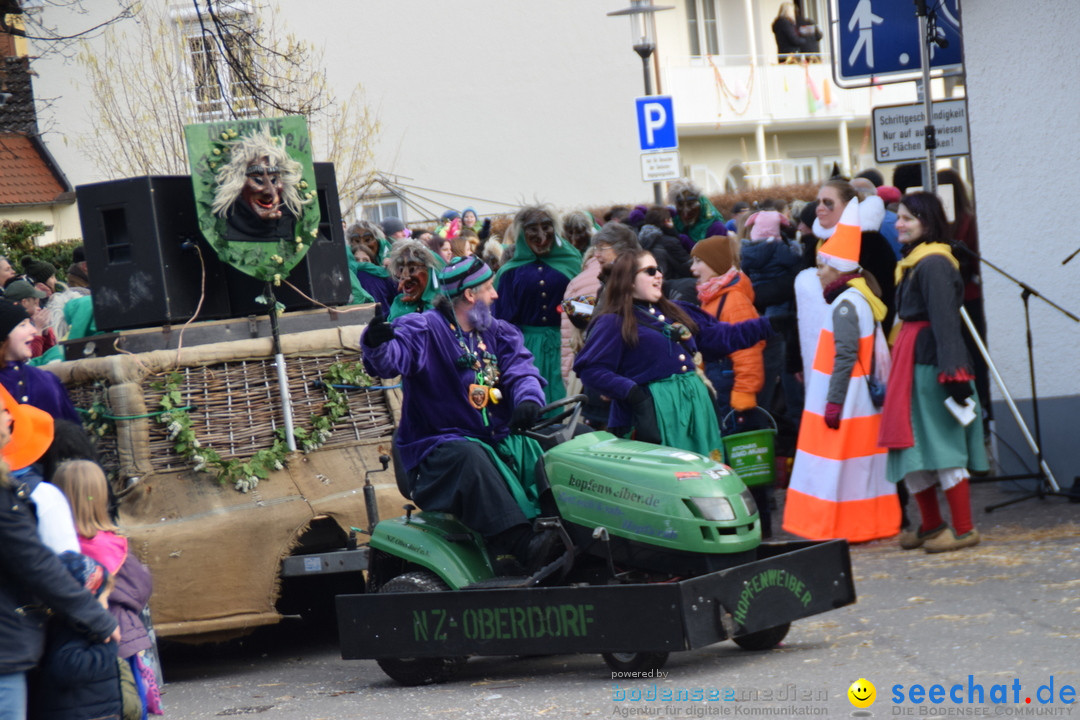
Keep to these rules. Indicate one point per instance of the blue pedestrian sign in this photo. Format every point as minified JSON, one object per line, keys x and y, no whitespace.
{"x":880,"y":38}
{"x":656,"y":123}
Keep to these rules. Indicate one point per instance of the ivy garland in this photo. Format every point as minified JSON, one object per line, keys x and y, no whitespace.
{"x":244,"y":475}
{"x":97,"y":420}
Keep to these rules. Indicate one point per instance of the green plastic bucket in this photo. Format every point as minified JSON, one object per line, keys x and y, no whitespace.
{"x":752,"y":454}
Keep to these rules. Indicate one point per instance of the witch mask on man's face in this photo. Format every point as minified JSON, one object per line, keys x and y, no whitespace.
{"x":368,"y":242}
{"x":413,"y":280}
{"x":540,"y":234}
{"x":262,"y":189}
{"x":689,"y":208}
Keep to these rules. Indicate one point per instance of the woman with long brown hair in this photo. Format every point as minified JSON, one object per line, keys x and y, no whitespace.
{"x":641,"y":352}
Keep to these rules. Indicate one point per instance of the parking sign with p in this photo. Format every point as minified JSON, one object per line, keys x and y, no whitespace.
{"x":656,"y":123}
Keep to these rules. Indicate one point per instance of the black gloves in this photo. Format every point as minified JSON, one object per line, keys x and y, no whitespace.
{"x":378,"y":330}
{"x":958,"y":391}
{"x":781,"y":324}
{"x":525,"y":414}
{"x":646,"y":428}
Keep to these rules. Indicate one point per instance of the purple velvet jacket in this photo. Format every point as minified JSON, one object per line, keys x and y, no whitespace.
{"x":530,"y":295}
{"x":610,"y":366}
{"x":436,"y":406}
{"x":40,"y":388}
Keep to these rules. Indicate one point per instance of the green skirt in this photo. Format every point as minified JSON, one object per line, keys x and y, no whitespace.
{"x":685,"y":415}
{"x":515,"y":458}
{"x":545,"y":343}
{"x":940,"y":441}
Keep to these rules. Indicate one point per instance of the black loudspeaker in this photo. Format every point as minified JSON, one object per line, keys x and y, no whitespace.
{"x":141,"y":236}
{"x":323,"y":274}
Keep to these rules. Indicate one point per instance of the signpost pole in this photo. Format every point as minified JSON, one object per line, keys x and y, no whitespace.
{"x":658,"y":192}
{"x":929,"y":136}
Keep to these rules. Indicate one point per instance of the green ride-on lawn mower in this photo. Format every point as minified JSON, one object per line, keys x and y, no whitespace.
{"x":663,"y":552}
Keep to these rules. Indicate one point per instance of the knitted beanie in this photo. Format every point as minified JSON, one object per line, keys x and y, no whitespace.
{"x":715,"y":252}
{"x":38,"y":270}
{"x":889,"y":194}
{"x":392,"y":225}
{"x":10,"y":316}
{"x":462,"y":274}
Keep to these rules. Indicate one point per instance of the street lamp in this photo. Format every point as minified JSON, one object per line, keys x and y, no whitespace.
{"x":643,"y":40}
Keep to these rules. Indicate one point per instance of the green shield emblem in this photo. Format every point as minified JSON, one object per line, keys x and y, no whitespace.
{"x":255,"y":192}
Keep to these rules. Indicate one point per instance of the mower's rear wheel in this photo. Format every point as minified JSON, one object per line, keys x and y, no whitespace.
{"x":420,"y":670}
{"x":635,"y":661}
{"x":763,"y":639}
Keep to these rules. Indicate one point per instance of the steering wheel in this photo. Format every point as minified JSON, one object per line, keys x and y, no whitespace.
{"x":573,"y":405}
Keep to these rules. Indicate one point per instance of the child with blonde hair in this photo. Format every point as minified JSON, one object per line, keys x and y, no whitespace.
{"x":87,"y":489}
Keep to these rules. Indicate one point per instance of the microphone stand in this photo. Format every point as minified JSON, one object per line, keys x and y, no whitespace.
{"x":1048,"y":485}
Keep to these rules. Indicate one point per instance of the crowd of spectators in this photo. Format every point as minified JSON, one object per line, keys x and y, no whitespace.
{"x":603,"y":299}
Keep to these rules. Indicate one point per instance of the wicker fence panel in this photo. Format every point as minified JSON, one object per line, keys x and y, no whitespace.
{"x":237,"y":409}
{"x":84,"y":397}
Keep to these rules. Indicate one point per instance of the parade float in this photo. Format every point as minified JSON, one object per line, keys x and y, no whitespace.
{"x":223,"y":388}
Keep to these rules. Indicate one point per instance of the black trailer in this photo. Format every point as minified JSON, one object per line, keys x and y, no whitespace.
{"x":753,"y":604}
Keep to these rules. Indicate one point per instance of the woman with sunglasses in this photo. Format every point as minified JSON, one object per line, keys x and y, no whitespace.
{"x":641,"y":352}
{"x":876,"y":255}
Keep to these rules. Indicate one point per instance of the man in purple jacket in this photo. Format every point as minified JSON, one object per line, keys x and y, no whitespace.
{"x":468,"y":382}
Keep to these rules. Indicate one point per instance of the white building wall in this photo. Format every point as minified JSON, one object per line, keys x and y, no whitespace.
{"x":1024,"y":110}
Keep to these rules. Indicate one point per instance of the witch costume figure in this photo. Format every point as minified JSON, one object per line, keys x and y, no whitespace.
{"x":468,"y":383}
{"x":414,"y":267}
{"x":929,"y":447}
{"x":696,"y":218}
{"x":531,"y":288}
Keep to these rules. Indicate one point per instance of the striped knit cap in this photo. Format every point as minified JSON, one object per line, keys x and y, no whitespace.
{"x":462,"y":274}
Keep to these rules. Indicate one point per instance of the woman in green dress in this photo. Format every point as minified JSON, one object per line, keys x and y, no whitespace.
{"x":929,"y":446}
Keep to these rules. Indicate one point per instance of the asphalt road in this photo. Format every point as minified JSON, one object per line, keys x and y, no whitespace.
{"x":1001,"y":620}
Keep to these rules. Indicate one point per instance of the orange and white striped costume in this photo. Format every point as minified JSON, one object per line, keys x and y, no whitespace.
{"x":838,"y":487}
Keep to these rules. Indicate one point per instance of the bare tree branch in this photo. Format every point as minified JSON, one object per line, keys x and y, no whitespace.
{"x":32,"y":25}
{"x":147,"y":78}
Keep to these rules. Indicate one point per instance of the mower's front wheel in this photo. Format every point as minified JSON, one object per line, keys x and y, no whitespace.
{"x":420,"y":670}
{"x":635,"y":661}
{"x":763,"y":639}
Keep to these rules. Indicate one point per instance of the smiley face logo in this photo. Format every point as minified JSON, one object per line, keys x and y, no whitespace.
{"x":862,"y":693}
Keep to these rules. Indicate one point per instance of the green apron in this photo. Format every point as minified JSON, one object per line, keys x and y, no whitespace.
{"x":685,"y":415}
{"x":515,"y":458}
{"x":545,"y":343}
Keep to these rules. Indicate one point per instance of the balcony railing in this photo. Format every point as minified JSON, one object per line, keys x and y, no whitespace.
{"x":728,"y":94}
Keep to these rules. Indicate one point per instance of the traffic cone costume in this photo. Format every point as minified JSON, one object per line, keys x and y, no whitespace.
{"x":838,"y":486}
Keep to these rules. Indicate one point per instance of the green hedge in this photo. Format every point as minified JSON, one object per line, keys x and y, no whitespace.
{"x":17,"y":240}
